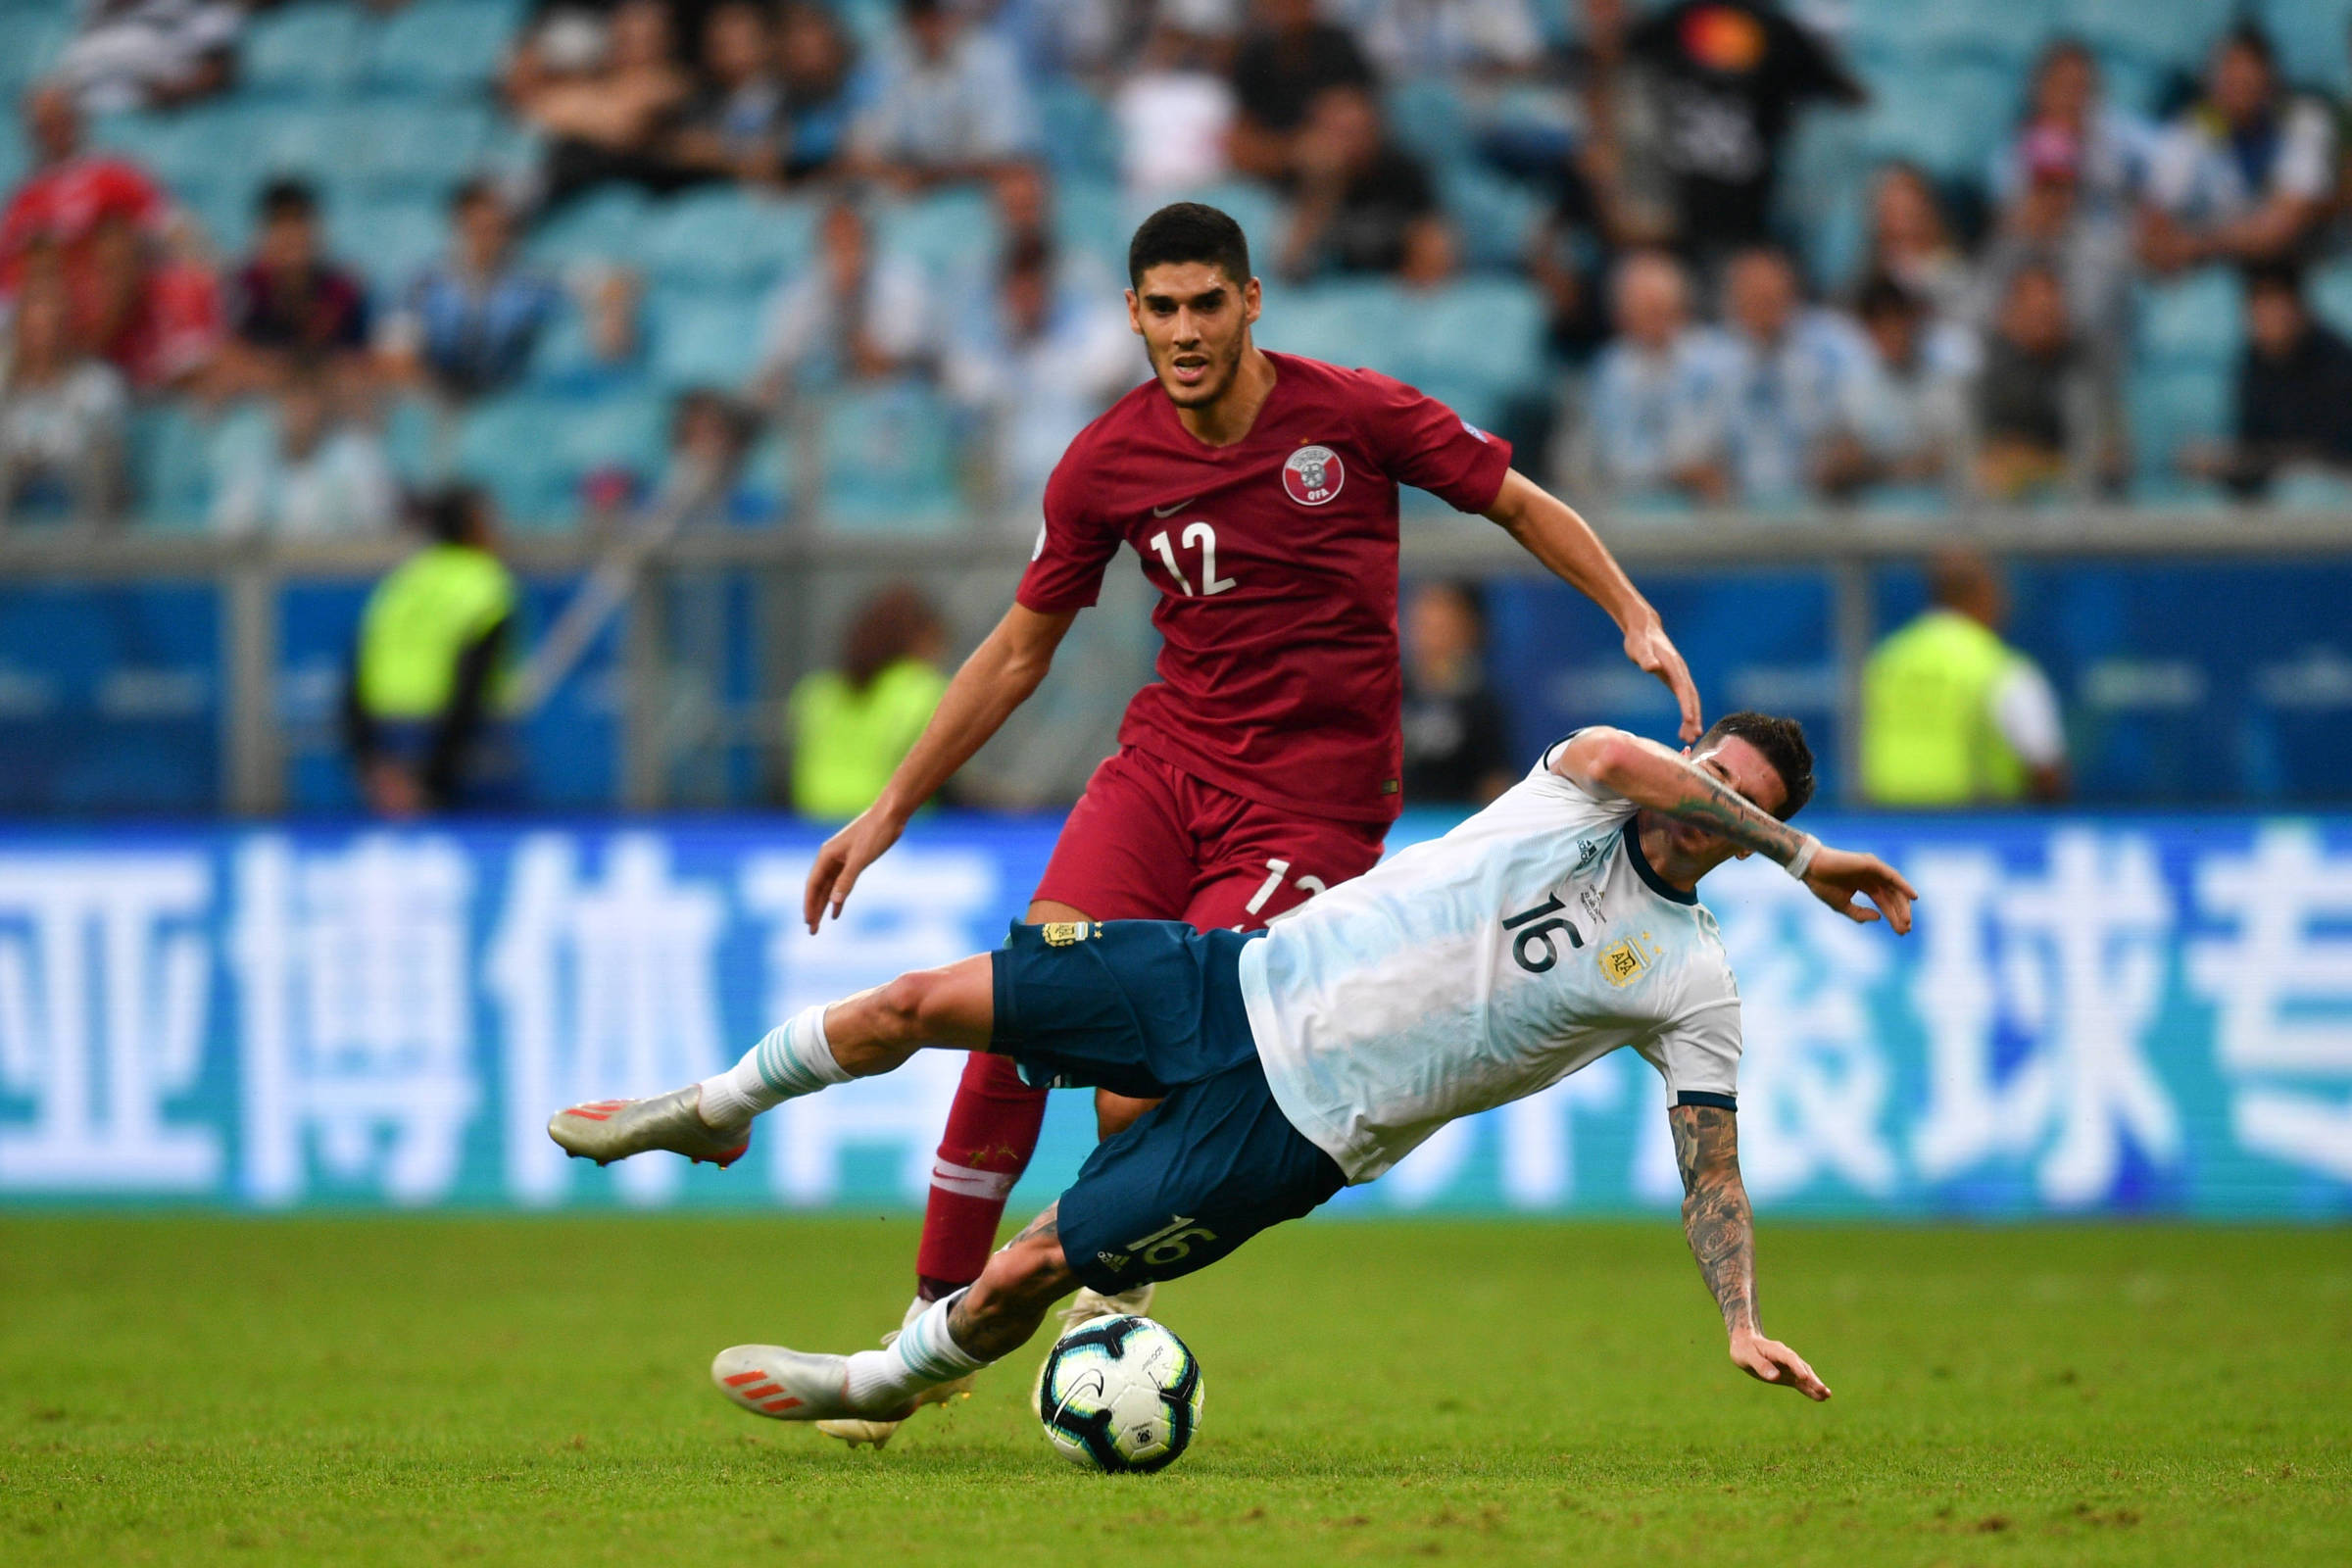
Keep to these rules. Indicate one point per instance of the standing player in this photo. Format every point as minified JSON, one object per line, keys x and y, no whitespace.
{"x":1260,"y":491}
{"x":1556,"y":926}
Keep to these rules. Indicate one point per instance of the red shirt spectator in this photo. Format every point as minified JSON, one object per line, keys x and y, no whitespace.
{"x":70,"y":196}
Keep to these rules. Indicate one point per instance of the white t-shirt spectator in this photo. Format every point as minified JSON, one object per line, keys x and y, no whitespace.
{"x":125,"y":49}
{"x":1172,"y":129}
{"x":971,"y":106}
{"x":1908,"y":413}
{"x":2199,"y":177}
{"x":58,"y":442}
{"x":807,"y":331}
{"x":1444,"y":37}
{"x":343,"y":486}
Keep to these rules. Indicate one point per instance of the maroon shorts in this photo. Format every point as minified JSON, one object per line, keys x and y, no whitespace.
{"x":1148,"y":841}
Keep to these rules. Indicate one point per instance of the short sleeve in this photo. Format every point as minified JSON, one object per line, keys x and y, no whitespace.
{"x":2306,"y":166}
{"x":1073,"y":547}
{"x":1698,"y":1056}
{"x":1421,"y":441}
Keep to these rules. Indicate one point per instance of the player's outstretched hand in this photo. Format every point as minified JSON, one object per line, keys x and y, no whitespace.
{"x":843,"y":860}
{"x":1836,"y":875}
{"x":1771,"y":1361}
{"x":1652,"y":650}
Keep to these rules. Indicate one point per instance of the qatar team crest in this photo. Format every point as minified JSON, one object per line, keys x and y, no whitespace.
{"x":1313,"y":476}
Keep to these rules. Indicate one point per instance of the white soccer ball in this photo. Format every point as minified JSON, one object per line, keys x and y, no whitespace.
{"x":1120,"y":1394}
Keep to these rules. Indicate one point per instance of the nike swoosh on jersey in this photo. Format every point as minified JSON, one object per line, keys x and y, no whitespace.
{"x":1169,"y":511}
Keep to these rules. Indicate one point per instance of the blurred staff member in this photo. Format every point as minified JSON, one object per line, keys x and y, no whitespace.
{"x":431,"y":648}
{"x":1457,"y":747}
{"x":1951,"y":714}
{"x":850,"y":726}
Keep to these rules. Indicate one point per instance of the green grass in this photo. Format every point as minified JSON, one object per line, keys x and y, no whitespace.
{"x":196,"y":1390}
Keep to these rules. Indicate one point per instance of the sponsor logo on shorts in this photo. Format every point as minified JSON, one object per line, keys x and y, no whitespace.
{"x":1623,"y":962}
{"x":1067,"y":933}
{"x":1313,"y":476}
{"x":1113,"y":1261}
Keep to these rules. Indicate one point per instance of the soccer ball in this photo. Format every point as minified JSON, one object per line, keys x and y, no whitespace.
{"x":1120,"y":1394}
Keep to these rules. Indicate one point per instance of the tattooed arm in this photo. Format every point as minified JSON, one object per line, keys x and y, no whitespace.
{"x":1699,"y":789}
{"x":1723,"y":1238}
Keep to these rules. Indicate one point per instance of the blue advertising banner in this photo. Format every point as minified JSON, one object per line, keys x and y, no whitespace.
{"x":2095,"y":1014}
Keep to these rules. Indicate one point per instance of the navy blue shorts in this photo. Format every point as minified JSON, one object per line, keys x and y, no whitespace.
{"x":1153,"y":1009}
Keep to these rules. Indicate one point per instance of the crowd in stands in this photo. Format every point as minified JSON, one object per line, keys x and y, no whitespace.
{"x":271,"y":268}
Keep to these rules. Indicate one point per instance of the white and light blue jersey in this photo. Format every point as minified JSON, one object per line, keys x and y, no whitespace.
{"x":1483,"y":966}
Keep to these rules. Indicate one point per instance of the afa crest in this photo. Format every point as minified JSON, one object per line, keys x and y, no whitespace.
{"x":1623,"y":962}
{"x":1067,"y":933}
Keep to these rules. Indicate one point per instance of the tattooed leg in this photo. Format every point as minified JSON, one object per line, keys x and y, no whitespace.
{"x":1022,"y":1283}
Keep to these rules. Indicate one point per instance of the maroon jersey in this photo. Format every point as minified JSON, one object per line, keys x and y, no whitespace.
{"x":1276,"y":563}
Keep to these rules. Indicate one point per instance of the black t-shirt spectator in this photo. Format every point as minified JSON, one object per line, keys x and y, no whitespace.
{"x":1367,"y":234}
{"x":1457,"y":745}
{"x":1731,"y":74}
{"x":2023,"y":395}
{"x":1275,"y":77}
{"x":2297,"y":408}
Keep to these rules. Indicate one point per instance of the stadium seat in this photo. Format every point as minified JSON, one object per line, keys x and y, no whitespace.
{"x":724,"y":239}
{"x":29,"y":43}
{"x":2169,"y":410}
{"x":400,"y":147}
{"x":942,"y":233}
{"x":1427,"y":115}
{"x":1492,"y":216}
{"x":448,"y":48}
{"x":1340,"y":323}
{"x":2311,"y":39}
{"x":1484,"y":332}
{"x":526,"y":451}
{"x":169,"y":468}
{"x":1253,"y":206}
{"x":1090,"y":218}
{"x":771,"y":476}
{"x":889,"y":456}
{"x":2330,"y":294}
{"x":388,"y":242}
{"x":305,"y":51}
{"x":1081,"y":139}
{"x":2176,"y":32}
{"x":1946,"y":114}
{"x":598,"y":226}
{"x":2191,"y":323}
{"x":704,"y":339}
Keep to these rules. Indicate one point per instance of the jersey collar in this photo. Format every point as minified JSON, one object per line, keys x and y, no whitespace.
{"x":1641,"y":867}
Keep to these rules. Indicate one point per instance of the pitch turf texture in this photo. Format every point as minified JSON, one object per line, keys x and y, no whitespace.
{"x":203,"y":1390}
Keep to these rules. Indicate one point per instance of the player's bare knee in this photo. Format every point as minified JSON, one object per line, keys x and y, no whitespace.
{"x":901,"y":1003}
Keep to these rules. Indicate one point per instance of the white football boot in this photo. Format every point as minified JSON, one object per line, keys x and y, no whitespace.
{"x":606,"y":1130}
{"x":785,"y":1384}
{"x":856,"y":1430}
{"x":1086,"y":1306}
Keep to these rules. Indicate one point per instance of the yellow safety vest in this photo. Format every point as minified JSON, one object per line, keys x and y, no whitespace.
{"x":1929,"y":736}
{"x":419,"y":623}
{"x":844,"y":743}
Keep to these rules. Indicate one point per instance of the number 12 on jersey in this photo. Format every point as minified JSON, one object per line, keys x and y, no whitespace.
{"x":1539,"y":935}
{"x":1205,"y":537}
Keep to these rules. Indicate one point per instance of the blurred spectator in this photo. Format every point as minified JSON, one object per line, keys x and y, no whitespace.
{"x":2294,"y":391}
{"x":1360,"y":203}
{"x":1952,"y":715}
{"x":1911,"y":242}
{"x":2036,"y":406}
{"x":62,"y":207}
{"x":1912,"y":421}
{"x":709,"y":436}
{"x":2049,"y":224}
{"x":289,"y":303}
{"x":948,"y":102}
{"x":1787,"y":382}
{"x":735,"y":125}
{"x":315,"y":475}
{"x":420,"y":705}
{"x":2245,"y":174}
{"x":62,"y":416}
{"x":1457,"y":748}
{"x":851,"y":317}
{"x":171,"y":340}
{"x":2113,"y":146}
{"x":607,"y":114}
{"x":151,"y":54}
{"x":1649,"y":410}
{"x":849,"y":727}
{"x":822,"y":102}
{"x":1175,"y":111}
{"x":1035,"y":364}
{"x":1452,"y":38}
{"x":1728,"y":76}
{"x":1283,"y":65}
{"x":468,"y":325}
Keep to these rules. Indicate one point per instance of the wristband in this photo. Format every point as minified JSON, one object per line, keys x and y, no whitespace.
{"x":1802,"y":860}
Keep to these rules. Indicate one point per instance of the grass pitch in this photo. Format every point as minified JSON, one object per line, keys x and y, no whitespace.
{"x":199,"y":1390}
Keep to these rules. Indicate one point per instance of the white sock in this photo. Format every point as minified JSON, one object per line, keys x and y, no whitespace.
{"x":923,"y":1356}
{"x":789,"y":1063}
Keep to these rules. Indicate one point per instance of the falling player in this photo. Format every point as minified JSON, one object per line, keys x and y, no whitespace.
{"x":1259,"y":492}
{"x":1558,"y":924}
